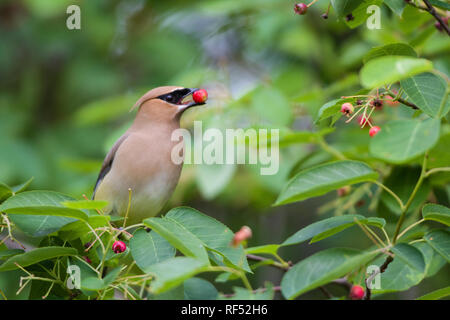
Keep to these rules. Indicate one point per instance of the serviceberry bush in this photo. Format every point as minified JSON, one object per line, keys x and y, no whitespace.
{"x":379,"y":156}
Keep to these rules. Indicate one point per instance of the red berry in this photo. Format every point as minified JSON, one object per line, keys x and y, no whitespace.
{"x":87,"y":259}
{"x":390,"y":101}
{"x":363,"y":121}
{"x":300,"y":8}
{"x":200,"y":96}
{"x":119,"y":246}
{"x":347,"y":108}
{"x":439,"y":26}
{"x":374,"y":130}
{"x":342,"y":192}
{"x":356,"y":292}
{"x":242,"y":235}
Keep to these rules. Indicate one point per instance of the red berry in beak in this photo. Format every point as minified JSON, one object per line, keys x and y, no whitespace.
{"x":347,"y":108}
{"x":374,"y":130}
{"x":119,"y":246}
{"x":200,"y":96}
{"x":356,"y":292}
{"x":300,"y":8}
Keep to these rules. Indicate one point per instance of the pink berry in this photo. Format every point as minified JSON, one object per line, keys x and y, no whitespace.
{"x":347,"y":108}
{"x":300,"y":8}
{"x":119,"y":246}
{"x":200,"y":96}
{"x":374,"y":130}
{"x":342,"y":192}
{"x":356,"y":292}
{"x":363,"y":121}
{"x":243,"y":234}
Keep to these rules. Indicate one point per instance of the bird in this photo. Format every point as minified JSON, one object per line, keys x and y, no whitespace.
{"x":138,"y":176}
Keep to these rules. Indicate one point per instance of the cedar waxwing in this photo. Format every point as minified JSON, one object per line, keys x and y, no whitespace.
{"x":140,"y":160}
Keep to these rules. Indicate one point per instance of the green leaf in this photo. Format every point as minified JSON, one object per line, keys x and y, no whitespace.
{"x":172,"y":272}
{"x":46,"y":213}
{"x":10,"y":285}
{"x":361,"y":14}
{"x":439,"y":240}
{"x":322,"y":268}
{"x":77,"y":229}
{"x":179,"y":237}
{"x":5,"y":192}
{"x":410,"y":255}
{"x":402,"y":140}
{"x":390,"y":69}
{"x":437,"y":213}
{"x":429,"y":92}
{"x":321,"y":179}
{"x":328,"y":227}
{"x":204,"y":230}
{"x":268,"y":249}
{"x":344,"y":7}
{"x":35,"y":256}
{"x":199,"y":289}
{"x":393,"y":49}
{"x":96,"y":284}
{"x":436,"y":295}
{"x":149,"y":248}
{"x":396,"y":5}
{"x":22,"y":187}
{"x":440,"y":4}
{"x":4,"y":254}
{"x":85,"y":204}
{"x":391,"y":279}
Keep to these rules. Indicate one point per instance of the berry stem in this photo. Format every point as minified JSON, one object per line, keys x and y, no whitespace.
{"x":367,"y":118}
{"x":411,"y":198}
{"x":354,"y":115}
{"x":311,"y":3}
{"x":337,"y":154}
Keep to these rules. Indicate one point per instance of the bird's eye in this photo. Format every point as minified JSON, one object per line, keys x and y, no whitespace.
{"x":170,"y":98}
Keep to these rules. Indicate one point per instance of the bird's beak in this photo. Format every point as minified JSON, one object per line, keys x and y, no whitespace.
{"x":187,"y":100}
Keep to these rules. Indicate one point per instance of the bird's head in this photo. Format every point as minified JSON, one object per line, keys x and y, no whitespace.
{"x":169,"y":102}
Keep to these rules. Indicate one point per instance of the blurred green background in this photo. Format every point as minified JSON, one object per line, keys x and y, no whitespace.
{"x":65,"y":96}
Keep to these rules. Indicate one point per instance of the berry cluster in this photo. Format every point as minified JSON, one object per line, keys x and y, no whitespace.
{"x":367,"y":104}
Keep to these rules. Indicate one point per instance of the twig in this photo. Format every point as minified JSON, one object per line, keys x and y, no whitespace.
{"x":433,"y":12}
{"x":273,"y":264}
{"x":383,"y":267}
{"x":401,"y":100}
{"x":260,"y":290}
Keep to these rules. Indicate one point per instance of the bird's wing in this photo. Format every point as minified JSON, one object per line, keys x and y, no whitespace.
{"x":107,"y":163}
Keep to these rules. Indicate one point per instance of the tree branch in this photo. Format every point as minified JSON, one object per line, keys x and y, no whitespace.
{"x":430,"y":9}
{"x":383,"y":267}
{"x":401,"y":100}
